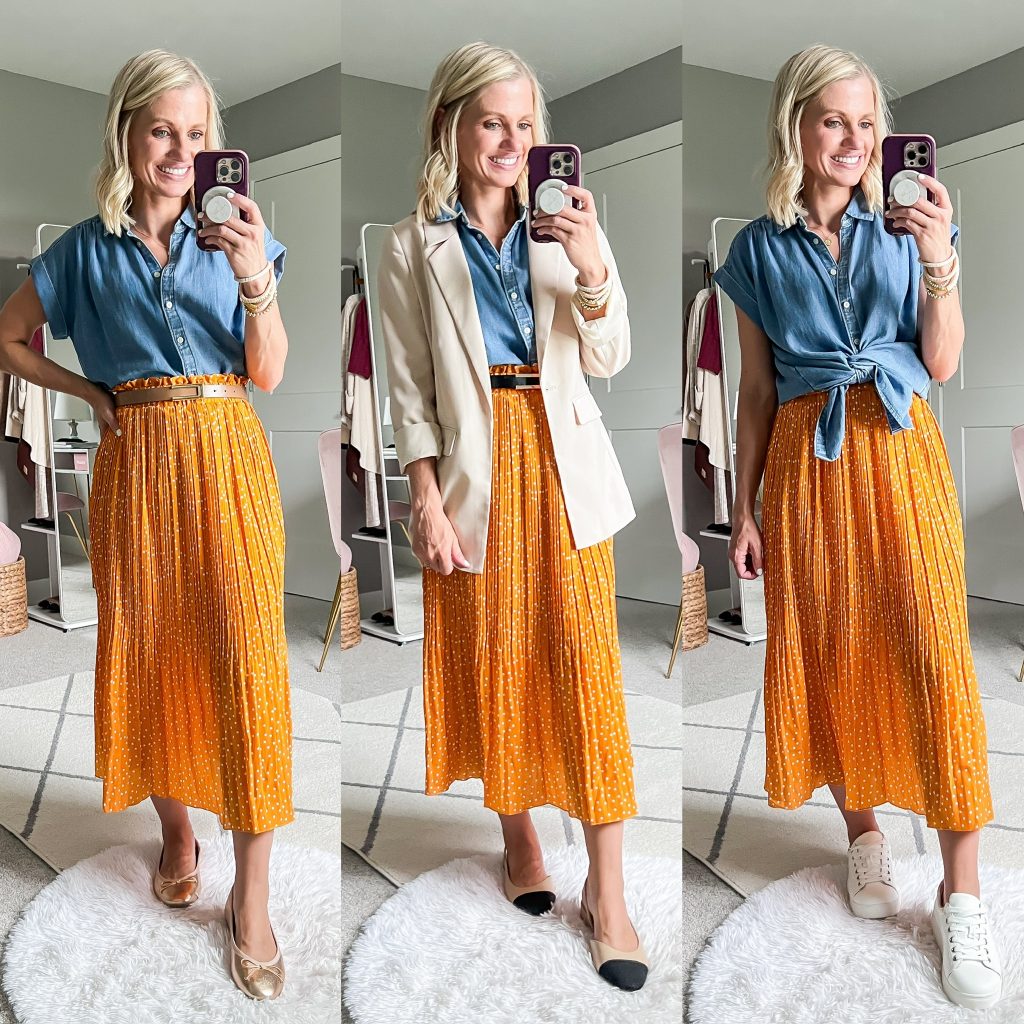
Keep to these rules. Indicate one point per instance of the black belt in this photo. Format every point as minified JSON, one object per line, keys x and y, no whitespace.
{"x":513,"y":380}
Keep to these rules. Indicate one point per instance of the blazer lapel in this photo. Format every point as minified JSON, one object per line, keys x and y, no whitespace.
{"x":546,"y":264}
{"x":447,"y":261}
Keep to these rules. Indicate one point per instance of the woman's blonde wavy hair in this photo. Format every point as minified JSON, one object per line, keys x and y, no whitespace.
{"x":139,"y":83}
{"x":458,"y":80}
{"x":800,"y":80}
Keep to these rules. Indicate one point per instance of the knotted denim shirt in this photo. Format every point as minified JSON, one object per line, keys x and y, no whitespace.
{"x":833,"y":325}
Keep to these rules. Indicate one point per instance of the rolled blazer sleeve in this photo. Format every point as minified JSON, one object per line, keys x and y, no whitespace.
{"x":409,"y":359}
{"x":604,"y":343}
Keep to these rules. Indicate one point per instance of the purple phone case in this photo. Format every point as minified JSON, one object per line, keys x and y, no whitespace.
{"x":205,"y":177}
{"x":537,"y":164}
{"x":892,"y":164}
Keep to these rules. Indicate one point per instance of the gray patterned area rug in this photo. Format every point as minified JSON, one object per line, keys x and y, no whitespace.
{"x":731,"y":828}
{"x":401,"y":832}
{"x":52,"y":802}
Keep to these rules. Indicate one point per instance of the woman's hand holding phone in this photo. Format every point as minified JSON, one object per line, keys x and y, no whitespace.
{"x":240,"y":240}
{"x":577,"y":231}
{"x":929,"y":222}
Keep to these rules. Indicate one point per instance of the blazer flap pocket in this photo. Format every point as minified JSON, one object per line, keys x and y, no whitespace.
{"x":586,"y":408}
{"x":448,"y":436}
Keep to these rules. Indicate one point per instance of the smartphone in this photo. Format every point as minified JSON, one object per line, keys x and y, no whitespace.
{"x":216,"y":173}
{"x":548,"y":167}
{"x":904,"y":156}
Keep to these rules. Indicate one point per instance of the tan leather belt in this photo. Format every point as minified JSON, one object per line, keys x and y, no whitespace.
{"x":180,"y":393}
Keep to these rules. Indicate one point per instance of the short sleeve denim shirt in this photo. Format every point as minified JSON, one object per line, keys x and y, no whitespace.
{"x":501,"y":285}
{"x":833,"y":325}
{"x":129,"y":318}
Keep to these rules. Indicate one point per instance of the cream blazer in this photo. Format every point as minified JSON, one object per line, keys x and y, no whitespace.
{"x":440,"y":382}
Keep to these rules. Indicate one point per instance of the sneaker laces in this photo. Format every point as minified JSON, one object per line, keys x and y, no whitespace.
{"x":870,"y":864}
{"x":967,"y":934}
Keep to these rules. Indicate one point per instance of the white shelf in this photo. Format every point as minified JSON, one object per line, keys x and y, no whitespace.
{"x":388,"y":632}
{"x":371,"y":540}
{"x":714,"y":535}
{"x":32,"y":528}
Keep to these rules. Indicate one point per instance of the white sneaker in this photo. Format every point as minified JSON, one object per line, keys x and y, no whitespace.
{"x":869,"y":877}
{"x":971,"y":974}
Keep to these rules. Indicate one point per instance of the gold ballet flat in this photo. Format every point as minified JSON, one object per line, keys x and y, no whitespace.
{"x":256,"y":979}
{"x":177,"y":892}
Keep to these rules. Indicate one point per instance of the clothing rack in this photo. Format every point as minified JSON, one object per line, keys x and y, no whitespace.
{"x":358,"y":282}
{"x":747,"y":595}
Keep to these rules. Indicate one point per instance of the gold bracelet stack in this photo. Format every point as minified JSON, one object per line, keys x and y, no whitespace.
{"x":591,"y":299}
{"x":257,"y":305}
{"x":941,"y":285}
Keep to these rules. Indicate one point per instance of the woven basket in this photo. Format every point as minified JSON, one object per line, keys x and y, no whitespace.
{"x":351,"y":633}
{"x":695,"y":610}
{"x":13,"y":598}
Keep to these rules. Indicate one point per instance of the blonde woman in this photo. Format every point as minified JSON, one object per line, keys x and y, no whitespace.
{"x":192,"y":702}
{"x":515,"y":488}
{"x":869,"y":680}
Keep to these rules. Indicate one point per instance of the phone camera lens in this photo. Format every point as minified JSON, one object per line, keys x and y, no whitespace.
{"x":235,"y":165}
{"x":922,"y":148}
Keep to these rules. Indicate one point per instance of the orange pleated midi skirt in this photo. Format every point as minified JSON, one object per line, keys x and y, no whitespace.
{"x":522,"y":673}
{"x":869,"y":676}
{"x":192,"y":699}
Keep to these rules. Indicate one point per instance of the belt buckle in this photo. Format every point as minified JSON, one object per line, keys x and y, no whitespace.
{"x":197,"y":391}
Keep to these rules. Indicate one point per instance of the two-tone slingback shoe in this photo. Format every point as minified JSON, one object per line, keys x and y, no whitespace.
{"x":177,"y":893}
{"x":626,"y":969}
{"x":533,"y":899}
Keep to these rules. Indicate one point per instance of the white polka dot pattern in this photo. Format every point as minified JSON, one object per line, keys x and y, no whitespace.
{"x":522,"y":672}
{"x":192,"y":698}
{"x":869,"y":676}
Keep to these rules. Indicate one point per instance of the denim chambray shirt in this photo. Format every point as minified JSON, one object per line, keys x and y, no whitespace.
{"x":831,"y":324}
{"x":501,"y":285}
{"x":129,"y":319}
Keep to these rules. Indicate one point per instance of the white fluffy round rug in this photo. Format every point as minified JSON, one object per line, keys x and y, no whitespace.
{"x":448,"y":948}
{"x":96,"y":945}
{"x":793,"y":953}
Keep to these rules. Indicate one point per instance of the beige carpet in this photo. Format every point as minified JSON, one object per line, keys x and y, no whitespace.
{"x":401,"y":832}
{"x":731,"y":828}
{"x":51,"y":801}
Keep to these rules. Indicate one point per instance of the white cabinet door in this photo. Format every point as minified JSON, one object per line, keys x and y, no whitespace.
{"x":640,"y":201}
{"x":980,"y":404}
{"x":302,"y":207}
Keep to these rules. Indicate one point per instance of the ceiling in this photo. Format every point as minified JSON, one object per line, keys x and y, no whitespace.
{"x":247,"y":49}
{"x":943,"y":37}
{"x":570,"y":44}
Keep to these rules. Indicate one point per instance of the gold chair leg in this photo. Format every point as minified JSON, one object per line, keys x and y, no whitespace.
{"x":676,"y":640}
{"x":405,"y":530}
{"x":332,"y":622}
{"x":1020,"y":677}
{"x":74,"y":526}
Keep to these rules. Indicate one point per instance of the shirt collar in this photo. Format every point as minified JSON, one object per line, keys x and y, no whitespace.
{"x":460,"y":214}
{"x":857,"y":208}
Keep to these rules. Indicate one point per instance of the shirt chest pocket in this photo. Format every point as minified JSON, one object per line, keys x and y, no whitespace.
{"x":585,"y":407}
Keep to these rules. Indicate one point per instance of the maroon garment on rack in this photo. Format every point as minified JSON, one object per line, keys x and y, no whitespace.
{"x":710,"y":355}
{"x":359,"y":361}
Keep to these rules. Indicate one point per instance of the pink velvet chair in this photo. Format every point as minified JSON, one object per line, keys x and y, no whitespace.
{"x":670,"y":454}
{"x":329,"y":446}
{"x":1017,"y":449}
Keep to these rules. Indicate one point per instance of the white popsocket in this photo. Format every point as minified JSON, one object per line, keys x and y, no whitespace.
{"x":217,"y":207}
{"x":905,"y":188}
{"x":550,"y":197}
